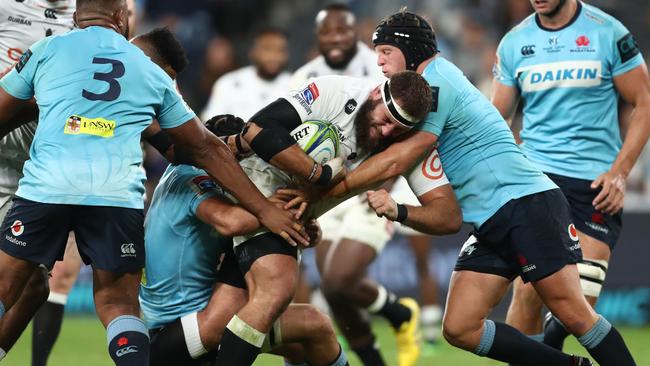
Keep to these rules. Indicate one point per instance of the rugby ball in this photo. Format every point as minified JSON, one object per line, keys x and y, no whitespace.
{"x":319,"y":139}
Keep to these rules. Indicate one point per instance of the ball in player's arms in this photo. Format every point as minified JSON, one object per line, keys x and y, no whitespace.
{"x":319,"y":139}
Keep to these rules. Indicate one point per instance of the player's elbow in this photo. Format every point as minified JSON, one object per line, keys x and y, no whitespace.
{"x":226,"y":225}
{"x":455,"y":222}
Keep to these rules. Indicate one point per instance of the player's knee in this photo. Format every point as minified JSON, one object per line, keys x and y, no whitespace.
{"x":316,"y":322}
{"x":457,"y":332}
{"x":338,"y":283}
{"x":37,"y":288}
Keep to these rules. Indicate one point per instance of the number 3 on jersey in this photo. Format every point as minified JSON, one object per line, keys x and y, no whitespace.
{"x":114,"y":89}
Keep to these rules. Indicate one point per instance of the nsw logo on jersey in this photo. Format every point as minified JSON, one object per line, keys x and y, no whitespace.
{"x":78,"y":125}
{"x":565,"y":74}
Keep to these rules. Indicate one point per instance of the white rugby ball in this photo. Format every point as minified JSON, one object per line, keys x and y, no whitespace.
{"x":319,"y":139}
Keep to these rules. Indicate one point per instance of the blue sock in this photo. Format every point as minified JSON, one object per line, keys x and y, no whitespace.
{"x":287,"y":363}
{"x":128,"y":341}
{"x":2,"y":309}
{"x":605,"y":344}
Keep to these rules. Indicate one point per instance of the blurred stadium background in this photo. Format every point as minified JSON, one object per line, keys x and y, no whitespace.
{"x":217,"y":35}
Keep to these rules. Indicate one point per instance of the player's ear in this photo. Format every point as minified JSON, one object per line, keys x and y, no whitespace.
{"x":74,"y":19}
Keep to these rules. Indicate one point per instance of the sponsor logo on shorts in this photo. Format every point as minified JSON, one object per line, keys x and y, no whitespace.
{"x":528,"y":268}
{"x":573,"y":233}
{"x":525,"y":266}
{"x":17,"y":228}
{"x":468,"y":247}
{"x":128,"y":250}
{"x":78,"y":125}
{"x":594,"y":226}
{"x":13,"y":240}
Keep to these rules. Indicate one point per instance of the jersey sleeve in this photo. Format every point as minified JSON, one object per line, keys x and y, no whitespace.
{"x":19,"y":82}
{"x":427,"y":174}
{"x":204,"y":187}
{"x":315,"y":99}
{"x":444,"y":97}
{"x":192,"y":186}
{"x":626,"y":54}
{"x":174,"y":111}
{"x":503,"y":69}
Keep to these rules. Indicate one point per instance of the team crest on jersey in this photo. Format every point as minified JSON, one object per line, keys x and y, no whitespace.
{"x":307,"y":96}
{"x":583,"y":45}
{"x":78,"y":125}
{"x":554,"y":45}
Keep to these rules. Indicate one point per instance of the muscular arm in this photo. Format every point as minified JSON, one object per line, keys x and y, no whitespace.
{"x":15,"y":112}
{"x":505,"y":99}
{"x":227,"y":218}
{"x":634,"y":88}
{"x":159,"y":139}
{"x":439,"y":214}
{"x":390,"y":163}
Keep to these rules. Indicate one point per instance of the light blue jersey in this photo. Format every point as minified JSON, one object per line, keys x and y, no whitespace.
{"x":483,"y":163}
{"x":183,"y":252}
{"x":565,"y":77}
{"x":96,"y":93}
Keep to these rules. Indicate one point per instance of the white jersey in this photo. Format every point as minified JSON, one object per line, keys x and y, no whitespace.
{"x":21,"y":24}
{"x":335,"y":99}
{"x":363,"y":65}
{"x":243,"y":93}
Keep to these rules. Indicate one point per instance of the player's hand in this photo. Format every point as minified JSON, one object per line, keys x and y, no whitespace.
{"x":314,"y":232}
{"x":298,"y":199}
{"x":283,"y":223}
{"x":610,"y":198}
{"x":382,"y":203}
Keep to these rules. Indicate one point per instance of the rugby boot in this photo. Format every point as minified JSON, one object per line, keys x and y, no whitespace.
{"x":409,"y":338}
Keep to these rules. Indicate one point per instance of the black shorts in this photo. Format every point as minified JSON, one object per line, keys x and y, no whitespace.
{"x":264,"y":244}
{"x":229,"y":272}
{"x":532,"y":237}
{"x":109,"y":238}
{"x":598,"y":225}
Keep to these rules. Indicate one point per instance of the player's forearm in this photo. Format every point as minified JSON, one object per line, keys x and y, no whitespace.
{"x":635,"y":139}
{"x":217,"y":159}
{"x":440,"y":217}
{"x":234,"y":221}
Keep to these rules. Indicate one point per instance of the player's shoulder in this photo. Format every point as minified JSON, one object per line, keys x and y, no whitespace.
{"x":598,"y":17}
{"x":520,"y":31}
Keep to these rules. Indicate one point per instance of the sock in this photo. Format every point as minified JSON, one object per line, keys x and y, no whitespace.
{"x":2,"y":354}
{"x":45,"y":330}
{"x":192,"y":336}
{"x":431,"y":318}
{"x":128,"y":341}
{"x":287,"y":363}
{"x":2,"y":309}
{"x":504,"y":343}
{"x":605,"y":344}
{"x":168,"y":346}
{"x":240,"y":344}
{"x":387,"y":306}
{"x":341,"y":359}
{"x":537,"y":338}
{"x":369,"y":354}
{"x":554,"y":333}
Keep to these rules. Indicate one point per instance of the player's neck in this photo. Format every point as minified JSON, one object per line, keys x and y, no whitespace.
{"x":425,"y":63}
{"x":560,"y":19}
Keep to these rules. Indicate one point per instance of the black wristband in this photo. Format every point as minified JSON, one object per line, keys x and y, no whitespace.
{"x":402,"y":213}
{"x":240,"y":148}
{"x":325,"y":175}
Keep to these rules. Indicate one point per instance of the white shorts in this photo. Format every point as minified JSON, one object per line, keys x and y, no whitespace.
{"x":403,"y":194}
{"x":355,"y":220}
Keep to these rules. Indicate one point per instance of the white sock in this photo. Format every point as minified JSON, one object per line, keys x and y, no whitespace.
{"x":57,"y":298}
{"x":2,"y":354}
{"x":380,"y":301}
{"x":193,"y":342}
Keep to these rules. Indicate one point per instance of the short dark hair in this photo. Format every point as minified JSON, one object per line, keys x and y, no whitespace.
{"x":267,"y":29}
{"x":106,"y":4}
{"x":167,"y":48}
{"x":337,"y":5}
{"x":225,"y":125}
{"x":412,"y":92}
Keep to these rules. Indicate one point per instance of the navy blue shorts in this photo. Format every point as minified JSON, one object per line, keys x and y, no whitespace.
{"x":109,"y":238}
{"x":532,"y":237}
{"x":598,"y":225}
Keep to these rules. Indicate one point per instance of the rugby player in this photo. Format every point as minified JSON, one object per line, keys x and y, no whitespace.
{"x":60,"y":192}
{"x":247,"y":90}
{"x":353,"y":236}
{"x":365,"y":115}
{"x":521,"y":219}
{"x":192,"y":285}
{"x":577,"y":59}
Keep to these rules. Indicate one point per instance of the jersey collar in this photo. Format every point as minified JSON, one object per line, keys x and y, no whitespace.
{"x":573,"y":19}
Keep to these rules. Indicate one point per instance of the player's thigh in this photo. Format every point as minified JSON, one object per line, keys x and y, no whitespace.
{"x":35,"y":232}
{"x":361,"y":224}
{"x":110,"y":238}
{"x":347,"y":264}
{"x":593,"y":248}
{"x":116,"y":294}
{"x":65,"y":273}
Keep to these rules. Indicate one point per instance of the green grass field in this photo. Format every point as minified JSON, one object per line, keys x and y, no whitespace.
{"x":82,"y":342}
